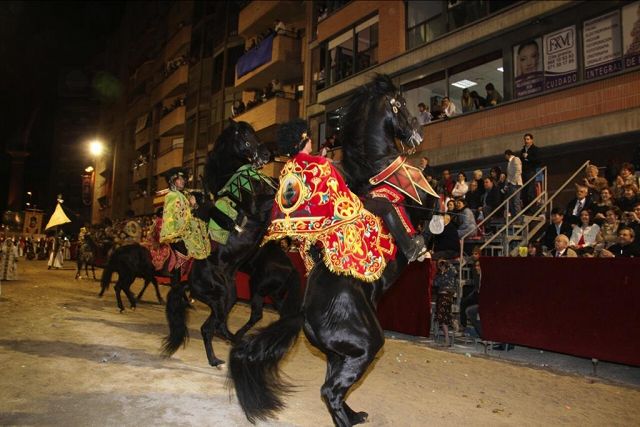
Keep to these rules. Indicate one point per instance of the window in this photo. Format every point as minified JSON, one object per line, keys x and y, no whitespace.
{"x":352,"y":51}
{"x":474,"y":80}
{"x":430,"y":90}
{"x":425,"y":22}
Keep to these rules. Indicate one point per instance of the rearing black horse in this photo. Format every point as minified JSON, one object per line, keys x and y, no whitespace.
{"x":338,"y":314}
{"x":212,"y":281}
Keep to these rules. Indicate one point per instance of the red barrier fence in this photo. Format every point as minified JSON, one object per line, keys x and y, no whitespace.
{"x":588,"y":307}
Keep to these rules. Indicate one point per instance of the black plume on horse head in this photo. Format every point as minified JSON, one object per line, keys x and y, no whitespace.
{"x":375,"y":117}
{"x":236,"y":146}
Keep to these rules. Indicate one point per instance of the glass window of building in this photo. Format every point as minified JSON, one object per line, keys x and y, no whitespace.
{"x":425,"y":22}
{"x":341,"y":56}
{"x":367,"y":44}
{"x":470,"y":85}
{"x":429,"y":90}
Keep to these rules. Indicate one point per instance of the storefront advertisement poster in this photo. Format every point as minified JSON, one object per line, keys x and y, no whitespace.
{"x":560,"y":63}
{"x":602,"y":45}
{"x":631,"y":34}
{"x":528,"y":78}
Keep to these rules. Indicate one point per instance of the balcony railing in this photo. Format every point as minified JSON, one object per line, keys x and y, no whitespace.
{"x":143,"y":138}
{"x":173,"y":123}
{"x":168,"y":160}
{"x":257,"y":16}
{"x":273,"y":111}
{"x":260,"y":65}
{"x":174,"y":84}
{"x":140,"y":172}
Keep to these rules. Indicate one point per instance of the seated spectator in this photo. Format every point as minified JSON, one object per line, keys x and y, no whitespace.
{"x":424,"y":116}
{"x":276,"y":87}
{"x":445,"y":285}
{"x":461,"y":187}
{"x":478,"y":101}
{"x":466,"y":101}
{"x":625,"y":177}
{"x":490,"y":199}
{"x":494,"y":173}
{"x":609,"y":228}
{"x":473,"y":197}
{"x":629,"y":198}
{"x":594,"y":182}
{"x":626,"y":246}
{"x":586,"y":235}
{"x":632,"y":219}
{"x":478,"y":177}
{"x":446,"y":245}
{"x":562,"y":248}
{"x":448,"y":108}
{"x":279,"y":27}
{"x":446,"y":184}
{"x":600,"y":208}
{"x":493,"y":96}
{"x":558,"y":226}
{"x":534,"y":250}
{"x":580,"y":202}
{"x":465,"y":218}
{"x":451,"y":206}
{"x":427,"y":170}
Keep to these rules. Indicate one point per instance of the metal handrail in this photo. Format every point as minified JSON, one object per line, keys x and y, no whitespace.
{"x":562,"y":187}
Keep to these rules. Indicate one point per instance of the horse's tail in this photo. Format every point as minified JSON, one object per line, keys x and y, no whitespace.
{"x":176,"y":312}
{"x":253,"y":367}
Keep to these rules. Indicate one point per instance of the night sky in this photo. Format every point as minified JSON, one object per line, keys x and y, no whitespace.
{"x":39,"y":40}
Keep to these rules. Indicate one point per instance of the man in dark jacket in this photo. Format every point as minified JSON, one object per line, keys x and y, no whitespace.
{"x":491,"y":197}
{"x":558,"y":226}
{"x":530,"y":157}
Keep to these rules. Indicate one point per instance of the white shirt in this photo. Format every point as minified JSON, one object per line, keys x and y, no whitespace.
{"x":590,"y":234}
{"x":514,"y":171}
{"x":460,"y":189}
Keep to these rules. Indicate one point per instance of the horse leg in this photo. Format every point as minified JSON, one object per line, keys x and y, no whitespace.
{"x":207,"y":329}
{"x":93,"y":270}
{"x":86,"y":269}
{"x":146,"y":283}
{"x":128,"y":293}
{"x":118,"y":288}
{"x":78,"y":271}
{"x":257,"y":303}
{"x":155,"y":285}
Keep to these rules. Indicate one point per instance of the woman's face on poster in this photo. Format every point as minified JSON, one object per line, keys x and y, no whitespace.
{"x":528,"y":59}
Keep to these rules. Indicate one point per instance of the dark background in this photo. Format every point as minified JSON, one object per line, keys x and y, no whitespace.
{"x":40,"y":41}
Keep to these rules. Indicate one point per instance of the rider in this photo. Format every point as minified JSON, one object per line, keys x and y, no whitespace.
{"x":295,"y":140}
{"x":186,"y":234}
{"x":131,"y":232}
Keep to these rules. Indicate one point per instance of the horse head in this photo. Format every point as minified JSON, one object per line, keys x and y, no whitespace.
{"x":376,"y":128}
{"x":236,"y":146}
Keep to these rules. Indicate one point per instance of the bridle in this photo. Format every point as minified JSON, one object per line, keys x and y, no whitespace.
{"x":414,"y":139}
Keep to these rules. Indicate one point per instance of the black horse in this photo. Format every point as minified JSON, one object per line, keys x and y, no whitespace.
{"x":129,"y":261}
{"x":212,"y":281}
{"x":87,"y":257}
{"x":338,"y":314}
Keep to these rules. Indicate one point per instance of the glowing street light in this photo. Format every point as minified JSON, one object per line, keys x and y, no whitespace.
{"x":88,"y":169}
{"x":96,"y":148}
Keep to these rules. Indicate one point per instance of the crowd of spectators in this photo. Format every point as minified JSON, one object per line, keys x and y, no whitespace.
{"x":177,"y":103}
{"x":172,"y":65}
{"x":470,"y":101}
{"x":273,"y":89}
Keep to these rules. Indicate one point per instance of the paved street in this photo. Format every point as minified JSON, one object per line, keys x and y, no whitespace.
{"x":69,"y":358}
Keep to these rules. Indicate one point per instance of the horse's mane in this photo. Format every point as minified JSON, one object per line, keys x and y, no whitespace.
{"x":365,"y":138}
{"x":222,"y":161}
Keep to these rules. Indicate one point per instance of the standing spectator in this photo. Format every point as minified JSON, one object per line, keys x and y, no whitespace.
{"x":530,"y":157}
{"x":461,"y":187}
{"x":279,"y":27}
{"x":557,"y":227}
{"x":514,"y":181}
{"x":478,"y":101}
{"x":580,"y":202}
{"x":55,"y":256}
{"x":446,"y":285}
{"x":328,"y":146}
{"x":427,"y":170}
{"x":490,"y":199}
{"x":626,"y":246}
{"x":424,"y":116}
{"x":466,"y":101}
{"x":8,"y":260}
{"x":493,"y":96}
{"x":562,"y":248}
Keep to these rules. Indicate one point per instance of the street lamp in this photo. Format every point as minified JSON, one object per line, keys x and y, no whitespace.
{"x":96,"y":147}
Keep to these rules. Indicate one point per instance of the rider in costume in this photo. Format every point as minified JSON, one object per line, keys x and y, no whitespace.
{"x":313,"y":204}
{"x":186,"y":234}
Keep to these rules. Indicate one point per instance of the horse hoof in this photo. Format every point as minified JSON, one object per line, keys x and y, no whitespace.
{"x":161,"y":301}
{"x":121,"y":310}
{"x":216,"y":362}
{"x":359,"y":418}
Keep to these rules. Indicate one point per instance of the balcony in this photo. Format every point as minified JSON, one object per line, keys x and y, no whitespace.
{"x":177,"y":42}
{"x":168,"y":160}
{"x":143,"y":138}
{"x":174,"y":84}
{"x":141,"y":172}
{"x":283,"y":63}
{"x":274,"y":111}
{"x":173,"y":123}
{"x":257,"y":16}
